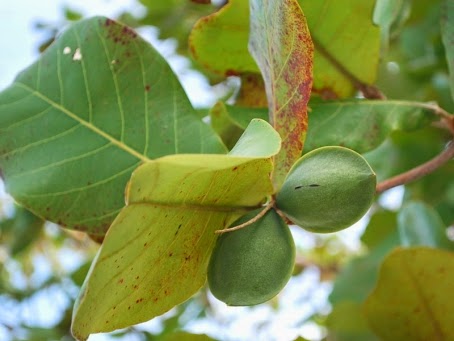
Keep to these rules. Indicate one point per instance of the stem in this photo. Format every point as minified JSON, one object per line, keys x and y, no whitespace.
{"x":447,"y":120}
{"x":420,"y":171}
{"x":369,"y":91}
{"x":268,"y":207}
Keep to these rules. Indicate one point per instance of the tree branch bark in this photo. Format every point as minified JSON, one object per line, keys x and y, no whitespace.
{"x":418,"y":172}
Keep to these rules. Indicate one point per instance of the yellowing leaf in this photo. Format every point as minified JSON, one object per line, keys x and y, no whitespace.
{"x":413,"y":297}
{"x":343,"y":33}
{"x":218,"y":42}
{"x":281,"y":44}
{"x":155,"y":254}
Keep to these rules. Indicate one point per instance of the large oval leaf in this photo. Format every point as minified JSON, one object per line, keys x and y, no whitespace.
{"x":155,"y":254}
{"x":74,"y":125}
{"x":361,"y":125}
{"x":412,"y":300}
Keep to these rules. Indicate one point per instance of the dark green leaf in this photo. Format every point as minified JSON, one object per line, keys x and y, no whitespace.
{"x":362,"y":125}
{"x":74,"y":125}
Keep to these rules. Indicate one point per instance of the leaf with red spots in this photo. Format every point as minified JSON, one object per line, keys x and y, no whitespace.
{"x":155,"y":254}
{"x":281,"y":44}
{"x":413,"y":297}
{"x":75,"y":124}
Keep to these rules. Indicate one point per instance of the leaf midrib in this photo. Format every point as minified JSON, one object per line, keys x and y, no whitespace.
{"x":86,"y":124}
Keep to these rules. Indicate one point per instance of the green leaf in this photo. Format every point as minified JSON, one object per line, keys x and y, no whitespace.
{"x":174,"y":18}
{"x":280,"y":42}
{"x":420,"y":225}
{"x":343,"y":33}
{"x":389,"y":13}
{"x":412,"y":300}
{"x":447,"y":34}
{"x":155,"y":254}
{"x":75,"y":124}
{"x":224,"y":125}
{"x":381,"y":226}
{"x":20,"y":231}
{"x":347,"y":323}
{"x":358,"y":277}
{"x":406,"y":150}
{"x":218,"y":42}
{"x":362,"y":125}
{"x":368,"y":123}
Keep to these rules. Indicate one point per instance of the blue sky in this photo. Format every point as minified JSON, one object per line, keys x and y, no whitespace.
{"x":18,"y":38}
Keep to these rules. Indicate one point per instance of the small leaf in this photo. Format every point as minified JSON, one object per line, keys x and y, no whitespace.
{"x":155,"y":254}
{"x":388,"y":13}
{"x":20,"y":231}
{"x":218,"y":42}
{"x":281,"y":44}
{"x":223,"y":124}
{"x":420,"y":225}
{"x":75,"y":124}
{"x":412,"y":300}
{"x":381,"y":226}
{"x":447,"y":34}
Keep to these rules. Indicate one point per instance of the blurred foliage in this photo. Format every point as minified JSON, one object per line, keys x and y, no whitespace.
{"x":34,"y":254}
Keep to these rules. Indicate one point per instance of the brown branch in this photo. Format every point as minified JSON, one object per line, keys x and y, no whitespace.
{"x":418,"y":172}
{"x":447,"y":120}
{"x":368,"y":91}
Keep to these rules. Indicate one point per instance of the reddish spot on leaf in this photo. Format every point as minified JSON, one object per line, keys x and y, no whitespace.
{"x":282,"y":47}
{"x":121,"y":280}
{"x":231,"y":72}
{"x":147,"y":88}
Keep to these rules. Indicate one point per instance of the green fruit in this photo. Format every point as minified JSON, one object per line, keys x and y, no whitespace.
{"x":252,"y":265}
{"x":327,"y":190}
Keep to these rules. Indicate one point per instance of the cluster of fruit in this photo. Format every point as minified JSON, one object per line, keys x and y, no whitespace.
{"x":326,"y":190}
